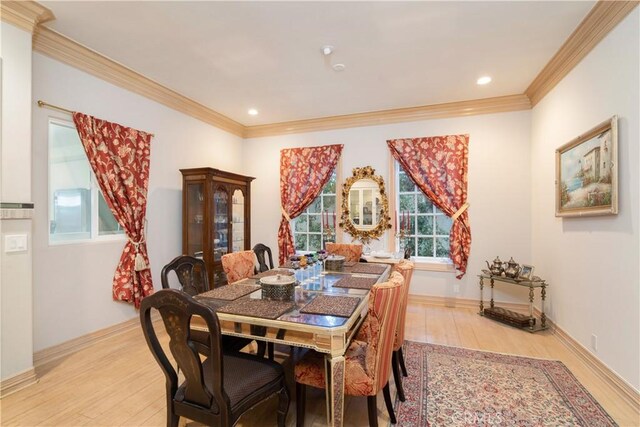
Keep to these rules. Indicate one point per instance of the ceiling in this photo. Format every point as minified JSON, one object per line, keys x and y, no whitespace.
{"x":232,"y":56}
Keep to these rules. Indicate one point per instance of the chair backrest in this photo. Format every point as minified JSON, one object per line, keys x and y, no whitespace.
{"x":239,"y":265}
{"x":191,"y":273}
{"x":380,"y":326}
{"x":200,"y":393}
{"x":405,"y":268}
{"x":260,"y":251}
{"x":351,"y":252}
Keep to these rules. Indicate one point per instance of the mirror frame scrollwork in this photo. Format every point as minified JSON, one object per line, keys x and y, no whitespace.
{"x":384,"y":223}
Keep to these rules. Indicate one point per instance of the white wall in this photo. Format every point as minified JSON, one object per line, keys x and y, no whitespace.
{"x":499,"y":187}
{"x":72,"y":283}
{"x":592,"y":263}
{"x":15,"y":186}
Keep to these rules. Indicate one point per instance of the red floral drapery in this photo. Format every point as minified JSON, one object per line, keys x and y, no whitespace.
{"x":438,"y":166}
{"x":119,"y":158}
{"x":303,"y":174}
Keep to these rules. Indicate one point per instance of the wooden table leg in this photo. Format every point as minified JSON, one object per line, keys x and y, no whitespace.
{"x":491,"y":304}
{"x":334,"y":377}
{"x":543,"y":317}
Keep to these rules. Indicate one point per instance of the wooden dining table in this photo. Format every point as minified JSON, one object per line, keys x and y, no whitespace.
{"x":327,"y":334}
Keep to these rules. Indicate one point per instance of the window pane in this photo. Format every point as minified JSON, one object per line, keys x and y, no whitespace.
{"x":406,"y":184}
{"x":425,"y":225}
{"x":412,"y":224}
{"x":442,"y":246}
{"x":69,"y":184}
{"x":443,"y":224}
{"x":301,"y":242}
{"x":425,"y":247}
{"x":107,"y":224}
{"x":314,"y":207}
{"x":314,"y":223}
{"x":330,"y":187}
{"x":407,"y":203}
{"x":315,"y":242}
{"x":329,"y":203}
{"x":411,"y":245}
{"x":424,"y":204}
{"x":301,"y":223}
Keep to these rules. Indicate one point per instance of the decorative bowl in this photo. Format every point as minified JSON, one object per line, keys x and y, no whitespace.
{"x":334,"y":263}
{"x":279,"y":287}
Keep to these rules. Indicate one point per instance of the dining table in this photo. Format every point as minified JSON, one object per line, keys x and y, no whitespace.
{"x":324,"y":315}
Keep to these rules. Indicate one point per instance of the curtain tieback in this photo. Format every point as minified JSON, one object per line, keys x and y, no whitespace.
{"x":459,"y":211}
{"x":285,"y":214}
{"x":139,"y":263}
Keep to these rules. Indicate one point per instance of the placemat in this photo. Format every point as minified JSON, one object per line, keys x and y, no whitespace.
{"x":273,"y":272}
{"x":267,"y":309}
{"x":350,"y":263}
{"x":331,"y":305}
{"x":368,"y":268}
{"x":355,"y":282}
{"x":230,"y":292}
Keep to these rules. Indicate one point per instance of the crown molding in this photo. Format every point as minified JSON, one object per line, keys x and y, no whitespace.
{"x":602,"y":18}
{"x":437,"y":111}
{"x":62,"y":48}
{"x":24,"y":14}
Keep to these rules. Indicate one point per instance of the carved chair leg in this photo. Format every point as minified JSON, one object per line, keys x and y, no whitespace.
{"x":283,"y":405}
{"x":387,"y":401}
{"x":270,"y":350}
{"x":372,"y":406}
{"x":395,"y":365}
{"x":262,"y":347}
{"x":301,"y":397}
{"x":401,"y":358}
{"x":172,"y":419}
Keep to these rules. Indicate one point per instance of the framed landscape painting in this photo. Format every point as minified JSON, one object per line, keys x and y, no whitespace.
{"x":587,"y":173}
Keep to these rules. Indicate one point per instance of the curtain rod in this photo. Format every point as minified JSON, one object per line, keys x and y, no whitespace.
{"x":43,"y":104}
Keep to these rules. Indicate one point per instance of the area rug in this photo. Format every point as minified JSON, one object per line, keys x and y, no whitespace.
{"x":450,"y":386}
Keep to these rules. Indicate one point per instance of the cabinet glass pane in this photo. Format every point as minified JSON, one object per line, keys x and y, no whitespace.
{"x":221,"y":223}
{"x":237,"y":214}
{"x":195,"y":219}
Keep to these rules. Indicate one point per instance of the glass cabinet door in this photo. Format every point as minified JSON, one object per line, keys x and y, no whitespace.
{"x":237,"y":215}
{"x":221,"y":223}
{"x":195,"y":219}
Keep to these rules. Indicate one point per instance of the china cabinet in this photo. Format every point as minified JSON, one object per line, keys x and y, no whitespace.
{"x":216,"y":208}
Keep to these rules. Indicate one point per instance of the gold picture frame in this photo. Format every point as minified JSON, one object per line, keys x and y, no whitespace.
{"x":587,"y":173}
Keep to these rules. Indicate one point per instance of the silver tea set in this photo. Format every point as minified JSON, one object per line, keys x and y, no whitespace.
{"x":510,"y":269}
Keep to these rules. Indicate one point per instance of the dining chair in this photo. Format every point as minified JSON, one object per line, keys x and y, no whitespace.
{"x":219,"y":389}
{"x":351,"y":252}
{"x":261,"y":250}
{"x":193,"y":279}
{"x":367,"y":359}
{"x":239,"y":265}
{"x":405,"y":268}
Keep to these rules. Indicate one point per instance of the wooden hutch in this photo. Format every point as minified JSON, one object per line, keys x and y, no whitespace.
{"x":216,"y":216}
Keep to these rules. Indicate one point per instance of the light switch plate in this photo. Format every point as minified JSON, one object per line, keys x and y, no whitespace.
{"x":15,"y":243}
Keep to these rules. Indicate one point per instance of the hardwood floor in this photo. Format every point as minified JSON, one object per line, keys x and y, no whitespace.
{"x":117,"y":381}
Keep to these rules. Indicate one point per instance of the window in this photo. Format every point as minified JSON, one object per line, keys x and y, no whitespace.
{"x":428,"y":227}
{"x":308,"y":228}
{"x":77,"y":210}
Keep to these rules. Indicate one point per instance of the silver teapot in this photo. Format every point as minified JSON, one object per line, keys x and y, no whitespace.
{"x":512,"y":269}
{"x":495,"y":268}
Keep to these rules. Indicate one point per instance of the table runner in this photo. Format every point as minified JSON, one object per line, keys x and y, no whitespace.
{"x":230,"y":292}
{"x":267,"y":309}
{"x":355,"y":282}
{"x":331,"y":305}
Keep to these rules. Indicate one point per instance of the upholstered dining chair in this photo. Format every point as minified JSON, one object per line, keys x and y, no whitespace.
{"x":368,"y":357}
{"x":239,"y":265}
{"x":261,"y":251}
{"x":218,"y":390}
{"x":405,"y":268}
{"x":193,"y":279}
{"x":351,"y":252}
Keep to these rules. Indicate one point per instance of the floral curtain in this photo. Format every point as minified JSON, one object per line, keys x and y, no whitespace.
{"x":438,"y":166}
{"x":119,"y":157}
{"x":303,"y":174}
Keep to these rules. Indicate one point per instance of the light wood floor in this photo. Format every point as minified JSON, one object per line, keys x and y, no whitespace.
{"x":117,"y":381}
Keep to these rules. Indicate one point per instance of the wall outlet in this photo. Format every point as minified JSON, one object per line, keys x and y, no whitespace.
{"x":594,"y":342}
{"x":15,"y":243}
{"x":456,"y":288}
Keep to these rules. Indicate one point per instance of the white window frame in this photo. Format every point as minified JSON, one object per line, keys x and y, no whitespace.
{"x":421,"y":263}
{"x":94,"y":188}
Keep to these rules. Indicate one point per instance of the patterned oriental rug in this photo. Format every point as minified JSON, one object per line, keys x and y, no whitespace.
{"x":450,"y":386}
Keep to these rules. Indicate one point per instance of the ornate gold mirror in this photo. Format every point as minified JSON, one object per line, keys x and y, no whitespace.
{"x":365,"y":207}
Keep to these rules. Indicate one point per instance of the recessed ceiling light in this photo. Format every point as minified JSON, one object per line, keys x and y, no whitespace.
{"x":252,"y":112}
{"x":339,"y":67}
{"x":484,"y":80}
{"x":327,"y":50}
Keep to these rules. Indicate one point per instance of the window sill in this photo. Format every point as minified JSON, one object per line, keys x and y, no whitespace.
{"x":425,"y":264}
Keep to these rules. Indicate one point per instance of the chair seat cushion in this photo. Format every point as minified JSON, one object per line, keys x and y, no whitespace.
{"x":243,"y":389}
{"x":359,"y":381}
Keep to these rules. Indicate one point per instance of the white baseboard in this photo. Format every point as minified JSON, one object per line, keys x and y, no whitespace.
{"x":17,"y":382}
{"x":622,"y":388}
